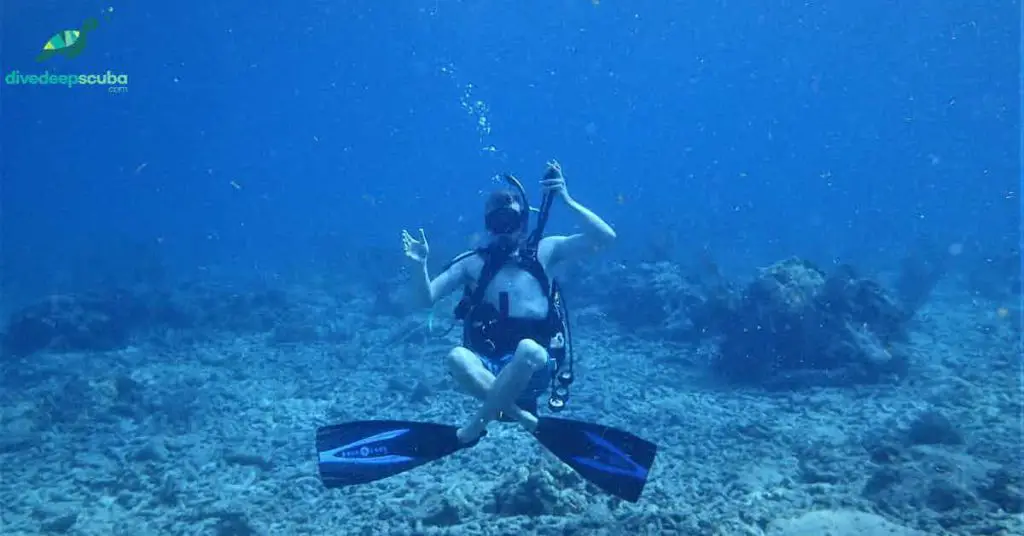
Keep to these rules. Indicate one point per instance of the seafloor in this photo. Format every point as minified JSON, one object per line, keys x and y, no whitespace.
{"x":214,"y":435}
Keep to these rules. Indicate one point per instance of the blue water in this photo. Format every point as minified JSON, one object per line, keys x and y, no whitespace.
{"x":271,"y":151}
{"x":826,"y":130}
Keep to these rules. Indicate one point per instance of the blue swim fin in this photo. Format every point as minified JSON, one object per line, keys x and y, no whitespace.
{"x":364,"y":451}
{"x":614,"y":460}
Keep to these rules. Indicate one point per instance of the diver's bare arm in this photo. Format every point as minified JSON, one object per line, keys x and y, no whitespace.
{"x":420,"y":288}
{"x":596,"y":235}
{"x":444,"y":284}
{"x":597,"y":231}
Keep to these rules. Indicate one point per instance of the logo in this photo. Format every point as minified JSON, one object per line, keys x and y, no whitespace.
{"x":16,"y":78}
{"x":364,"y":452}
{"x":372,"y":450}
{"x":69,"y":44}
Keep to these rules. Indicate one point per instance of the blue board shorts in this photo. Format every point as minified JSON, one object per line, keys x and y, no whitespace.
{"x":539,"y":382}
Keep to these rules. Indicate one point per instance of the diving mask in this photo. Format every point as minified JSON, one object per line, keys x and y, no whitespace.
{"x":504,"y":220}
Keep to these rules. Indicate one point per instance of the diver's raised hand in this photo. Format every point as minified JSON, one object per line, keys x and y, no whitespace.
{"x":553,"y":181}
{"x":417,"y":250}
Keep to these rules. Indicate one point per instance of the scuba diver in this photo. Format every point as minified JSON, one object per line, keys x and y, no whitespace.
{"x":516,"y":343}
{"x":510,"y":305}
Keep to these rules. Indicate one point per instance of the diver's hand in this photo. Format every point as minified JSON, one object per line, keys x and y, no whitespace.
{"x":417,"y":250}
{"x":553,"y":181}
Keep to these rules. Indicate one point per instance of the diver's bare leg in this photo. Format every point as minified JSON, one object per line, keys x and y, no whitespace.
{"x":471,"y":375}
{"x":475,"y":379}
{"x":528,"y":359}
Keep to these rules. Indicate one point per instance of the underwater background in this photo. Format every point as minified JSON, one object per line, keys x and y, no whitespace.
{"x":813,"y":305}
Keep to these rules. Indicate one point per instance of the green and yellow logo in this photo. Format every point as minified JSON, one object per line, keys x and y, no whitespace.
{"x":69,"y":43}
